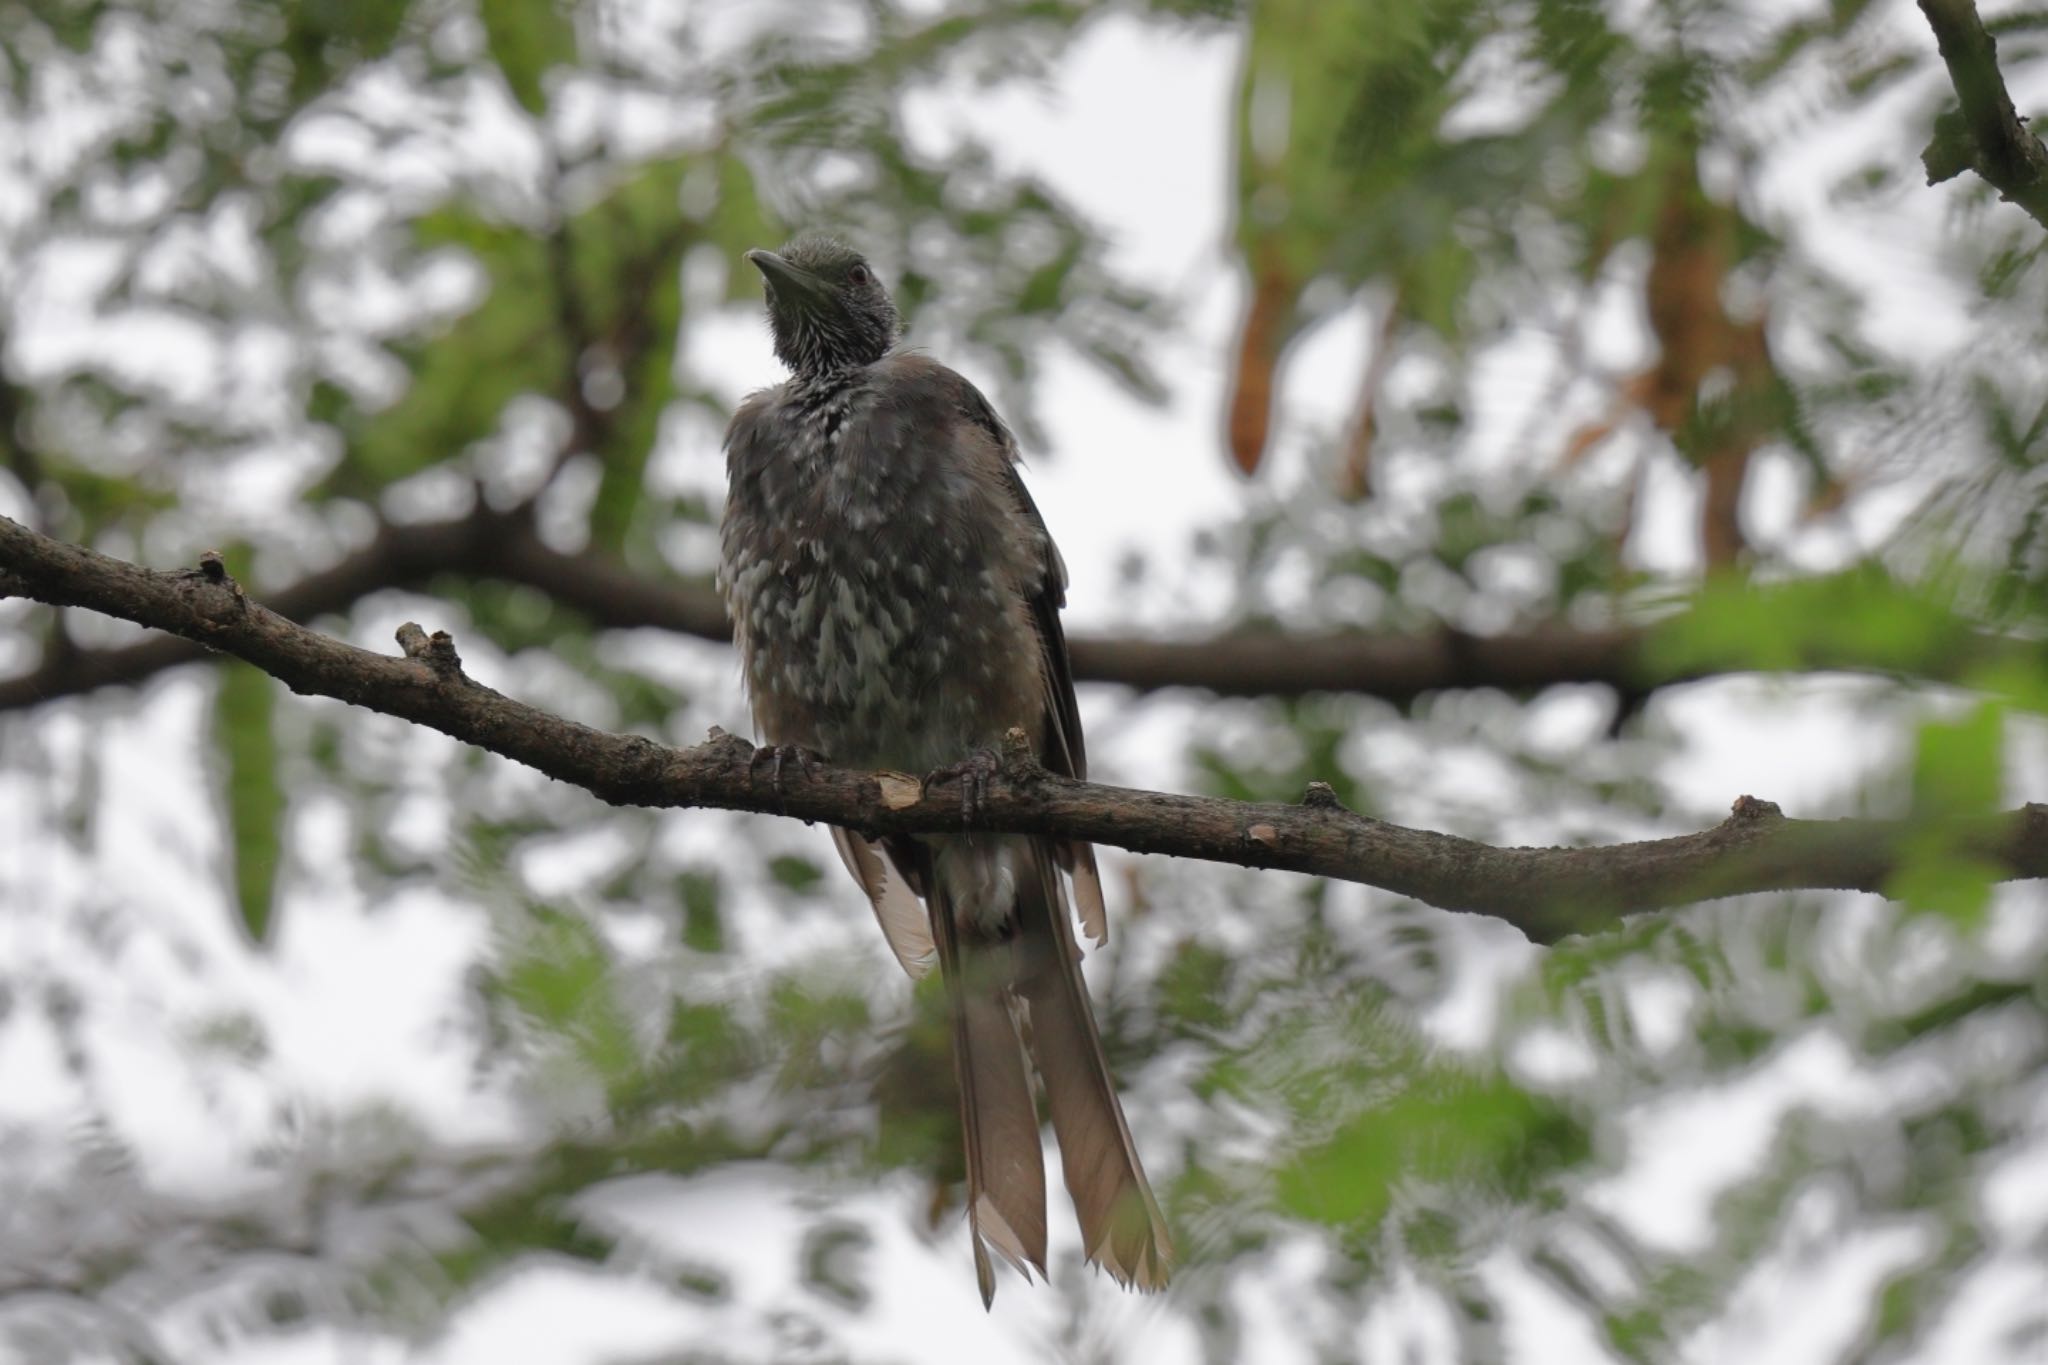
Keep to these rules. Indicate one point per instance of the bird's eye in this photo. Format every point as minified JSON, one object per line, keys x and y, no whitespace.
{"x":858,"y":275}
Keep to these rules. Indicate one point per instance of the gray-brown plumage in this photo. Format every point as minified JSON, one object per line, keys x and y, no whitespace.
{"x":895,"y":599}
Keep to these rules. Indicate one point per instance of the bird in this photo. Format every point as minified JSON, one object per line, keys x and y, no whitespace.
{"x":895,"y":599}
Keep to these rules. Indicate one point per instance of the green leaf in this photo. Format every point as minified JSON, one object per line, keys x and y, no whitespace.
{"x":326,"y":38}
{"x":1939,"y":881}
{"x":1958,"y":766}
{"x":1194,"y":985}
{"x":798,"y":874}
{"x":625,"y":256}
{"x":1861,"y":618}
{"x":243,"y":714}
{"x":462,"y":379}
{"x":560,"y":976}
{"x":1958,"y":777}
{"x":1444,"y":1128}
{"x":814,"y":1023}
{"x":705,"y":1048}
{"x":737,"y":219}
{"x":526,"y":38}
{"x":833,"y":1254}
{"x":703,"y":927}
{"x":98,"y":500}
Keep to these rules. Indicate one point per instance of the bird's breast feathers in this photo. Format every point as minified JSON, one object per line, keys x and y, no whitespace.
{"x":876,"y":575}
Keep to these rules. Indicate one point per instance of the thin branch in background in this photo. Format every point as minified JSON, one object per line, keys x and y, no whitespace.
{"x":589,"y":427}
{"x":1548,"y":893}
{"x":489,"y":544}
{"x":1989,"y":137}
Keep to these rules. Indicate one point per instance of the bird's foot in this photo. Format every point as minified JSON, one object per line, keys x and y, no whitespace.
{"x":973,"y":773}
{"x":774,"y":757}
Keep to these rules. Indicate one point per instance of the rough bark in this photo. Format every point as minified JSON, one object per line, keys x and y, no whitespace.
{"x":1546,"y":892}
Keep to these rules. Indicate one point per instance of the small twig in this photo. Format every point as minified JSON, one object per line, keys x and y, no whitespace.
{"x":1321,"y":796}
{"x":437,"y":651}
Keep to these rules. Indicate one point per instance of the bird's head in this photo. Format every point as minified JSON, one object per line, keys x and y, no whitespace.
{"x":825,"y":306}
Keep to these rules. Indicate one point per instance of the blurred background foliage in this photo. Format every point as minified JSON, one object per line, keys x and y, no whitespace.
{"x":280,"y":277}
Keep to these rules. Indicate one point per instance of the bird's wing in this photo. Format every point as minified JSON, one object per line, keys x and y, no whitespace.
{"x":1064,"y":751}
{"x":897,"y":908}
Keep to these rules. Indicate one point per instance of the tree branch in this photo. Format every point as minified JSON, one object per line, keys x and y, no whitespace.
{"x":1546,"y":892}
{"x":1989,"y":137}
{"x":397,"y":555}
{"x":1252,"y":663}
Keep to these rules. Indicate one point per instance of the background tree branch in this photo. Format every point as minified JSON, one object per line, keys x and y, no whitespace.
{"x":1251,"y":663}
{"x":1990,"y":138}
{"x":1546,"y":892}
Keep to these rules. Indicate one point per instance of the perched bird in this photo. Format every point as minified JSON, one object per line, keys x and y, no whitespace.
{"x":895,"y":599}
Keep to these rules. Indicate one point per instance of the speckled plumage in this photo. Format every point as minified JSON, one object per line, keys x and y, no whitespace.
{"x":895,"y":598}
{"x":881,"y":580}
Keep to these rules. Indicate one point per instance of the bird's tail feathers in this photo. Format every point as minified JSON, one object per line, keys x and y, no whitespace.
{"x":998,"y":1119}
{"x":1121,"y":1224}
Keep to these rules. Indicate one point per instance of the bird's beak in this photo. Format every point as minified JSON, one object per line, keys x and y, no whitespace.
{"x":792,"y":282}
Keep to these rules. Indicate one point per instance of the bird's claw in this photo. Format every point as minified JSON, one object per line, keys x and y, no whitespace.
{"x":973,"y":773}
{"x":776,"y":756}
